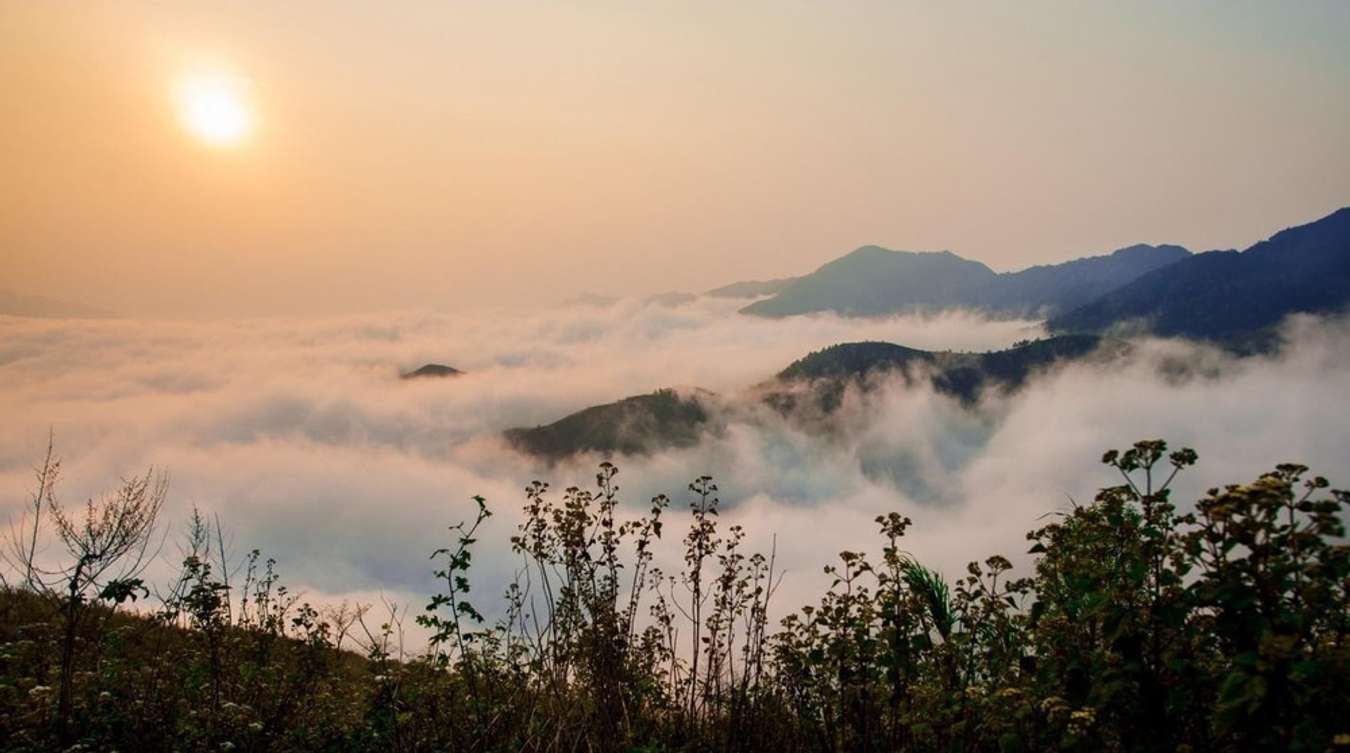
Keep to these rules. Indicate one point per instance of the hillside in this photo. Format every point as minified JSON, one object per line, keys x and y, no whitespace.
{"x":1061,"y":287}
{"x":632,"y":426}
{"x":810,"y":387}
{"x":875,"y":281}
{"x":872,"y":280}
{"x":211,"y":665}
{"x":1226,"y":294}
{"x":825,"y":375}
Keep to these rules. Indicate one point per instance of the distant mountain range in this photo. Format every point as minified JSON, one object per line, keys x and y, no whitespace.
{"x":1164,"y":290}
{"x":1233,"y":298}
{"x":1226,"y":294}
{"x":875,"y":281}
{"x":807,"y":392}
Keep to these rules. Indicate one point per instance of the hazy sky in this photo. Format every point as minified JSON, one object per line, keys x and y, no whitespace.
{"x":445,"y":153}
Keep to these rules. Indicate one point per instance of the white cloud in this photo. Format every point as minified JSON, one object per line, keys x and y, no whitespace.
{"x":301,"y":437}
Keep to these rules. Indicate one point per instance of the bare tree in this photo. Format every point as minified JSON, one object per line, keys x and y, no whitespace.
{"x":20,"y":551}
{"x":107,"y":548}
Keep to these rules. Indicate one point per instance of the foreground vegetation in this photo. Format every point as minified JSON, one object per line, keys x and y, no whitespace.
{"x":1140,"y":629}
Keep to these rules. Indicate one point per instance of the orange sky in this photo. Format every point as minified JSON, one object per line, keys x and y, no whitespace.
{"x":444,"y":154}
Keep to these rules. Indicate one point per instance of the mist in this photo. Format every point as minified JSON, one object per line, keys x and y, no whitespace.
{"x":300,"y":436}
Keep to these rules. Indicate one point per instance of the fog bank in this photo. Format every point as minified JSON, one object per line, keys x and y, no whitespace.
{"x":300,"y":435}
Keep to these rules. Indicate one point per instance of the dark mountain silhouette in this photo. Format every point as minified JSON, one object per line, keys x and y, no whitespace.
{"x":751,"y":288}
{"x":874,"y":281}
{"x":1060,"y":287}
{"x":432,"y":370}
{"x":1226,"y":294}
{"x":632,"y":426}
{"x":1235,"y":298}
{"x":823,"y":376}
{"x":810,"y":388}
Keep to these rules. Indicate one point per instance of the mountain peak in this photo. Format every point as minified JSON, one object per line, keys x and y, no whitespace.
{"x":875,"y":250}
{"x":432,"y":370}
{"x":872,"y":280}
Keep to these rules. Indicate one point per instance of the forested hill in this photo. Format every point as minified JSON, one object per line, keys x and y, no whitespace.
{"x":808,"y":388}
{"x":1226,"y":294}
{"x":1008,"y":367}
{"x":631,"y":426}
{"x":826,"y":374}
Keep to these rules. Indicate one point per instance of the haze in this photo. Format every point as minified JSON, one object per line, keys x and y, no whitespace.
{"x":455,"y":154}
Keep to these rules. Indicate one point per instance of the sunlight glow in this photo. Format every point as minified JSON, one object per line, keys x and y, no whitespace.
{"x":215,"y":108}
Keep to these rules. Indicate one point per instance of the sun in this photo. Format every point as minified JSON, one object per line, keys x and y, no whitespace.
{"x":215,"y":108}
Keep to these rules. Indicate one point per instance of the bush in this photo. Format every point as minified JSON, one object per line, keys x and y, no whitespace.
{"x":1139,"y":629}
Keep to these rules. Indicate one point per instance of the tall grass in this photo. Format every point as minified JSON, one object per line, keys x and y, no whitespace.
{"x":1139,"y":628}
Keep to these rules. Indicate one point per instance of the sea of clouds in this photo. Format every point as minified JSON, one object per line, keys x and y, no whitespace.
{"x":300,"y":436}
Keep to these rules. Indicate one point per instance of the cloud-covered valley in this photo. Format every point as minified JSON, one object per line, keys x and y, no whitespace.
{"x":302,"y":438}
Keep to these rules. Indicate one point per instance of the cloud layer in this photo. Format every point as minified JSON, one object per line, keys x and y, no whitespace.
{"x":302,"y":438}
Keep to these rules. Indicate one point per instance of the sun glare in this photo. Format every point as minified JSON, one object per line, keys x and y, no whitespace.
{"x":215,"y":109}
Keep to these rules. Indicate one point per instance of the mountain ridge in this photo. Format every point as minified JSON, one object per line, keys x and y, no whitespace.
{"x":808,"y":389}
{"x":1230,"y":294}
{"x":872,"y":281}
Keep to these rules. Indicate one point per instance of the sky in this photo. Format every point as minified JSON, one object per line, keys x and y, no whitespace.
{"x":447,"y":155}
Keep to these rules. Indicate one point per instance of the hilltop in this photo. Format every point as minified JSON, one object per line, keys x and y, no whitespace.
{"x":631,"y":426}
{"x":432,"y":370}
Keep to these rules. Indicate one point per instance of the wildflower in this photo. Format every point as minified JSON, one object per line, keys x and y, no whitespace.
{"x":1081,"y":719}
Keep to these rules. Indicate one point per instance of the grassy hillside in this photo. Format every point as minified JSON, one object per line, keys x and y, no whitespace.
{"x":1134,"y":628}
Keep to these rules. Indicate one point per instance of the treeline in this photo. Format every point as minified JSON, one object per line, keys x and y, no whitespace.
{"x":1140,"y":629}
